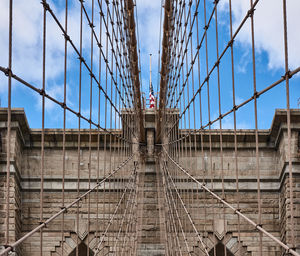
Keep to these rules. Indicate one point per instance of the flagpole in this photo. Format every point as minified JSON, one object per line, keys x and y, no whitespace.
{"x":151,"y":93}
{"x":150,"y":70}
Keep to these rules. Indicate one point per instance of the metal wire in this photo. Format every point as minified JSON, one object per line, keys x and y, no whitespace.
{"x":118,"y":91}
{"x":64,"y":210}
{"x":236,"y":211}
{"x":178,"y":109}
{"x":8,"y":143}
{"x":188,"y":64}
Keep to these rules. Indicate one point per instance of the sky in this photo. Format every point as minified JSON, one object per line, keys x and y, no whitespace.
{"x":27,"y":59}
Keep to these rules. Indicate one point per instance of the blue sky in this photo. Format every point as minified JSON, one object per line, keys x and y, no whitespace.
{"x":269,"y":58}
{"x":27,"y":60}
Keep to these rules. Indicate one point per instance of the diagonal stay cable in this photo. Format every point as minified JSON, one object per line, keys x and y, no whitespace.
{"x":236,"y":211}
{"x":173,"y":215}
{"x":81,"y":59}
{"x":249,"y":13}
{"x":129,"y":204}
{"x":170,"y":212}
{"x":183,"y":52}
{"x":186,"y":211}
{"x":290,"y":74}
{"x":62,"y":104}
{"x":131,"y":182}
{"x":114,"y":52}
{"x":11,"y":247}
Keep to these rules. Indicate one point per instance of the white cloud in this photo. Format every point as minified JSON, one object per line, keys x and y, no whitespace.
{"x":268,"y":26}
{"x":56,"y":91}
{"x":238,"y":100}
{"x":28,"y":40}
{"x":148,"y":22}
{"x":148,"y":25}
{"x":244,"y":61}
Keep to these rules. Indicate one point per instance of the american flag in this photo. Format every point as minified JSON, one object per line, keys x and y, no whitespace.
{"x":151,"y":97}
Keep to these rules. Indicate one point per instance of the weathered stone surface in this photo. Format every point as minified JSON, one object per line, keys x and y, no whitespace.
{"x":151,"y":214}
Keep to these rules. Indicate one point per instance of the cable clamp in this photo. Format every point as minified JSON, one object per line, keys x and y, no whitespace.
{"x":91,"y":25}
{"x":43,"y":222}
{"x":287,"y":75}
{"x":258,"y":225}
{"x":8,"y":246}
{"x":81,"y":59}
{"x":46,"y":5}
{"x":230,"y":43}
{"x":63,"y":105}
{"x":42,"y":92}
{"x":291,"y":249}
{"x":92,"y":75}
{"x":7,"y":72}
{"x":66,"y":36}
{"x":250,"y":12}
{"x":64,"y":208}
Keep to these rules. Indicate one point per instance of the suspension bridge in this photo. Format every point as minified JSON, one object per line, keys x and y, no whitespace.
{"x":118,"y":178}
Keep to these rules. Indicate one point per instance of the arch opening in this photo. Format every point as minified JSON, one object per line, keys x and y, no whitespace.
{"x":220,"y":251}
{"x":82,"y":250}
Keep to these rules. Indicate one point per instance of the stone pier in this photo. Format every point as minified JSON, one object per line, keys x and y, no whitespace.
{"x":151,"y":213}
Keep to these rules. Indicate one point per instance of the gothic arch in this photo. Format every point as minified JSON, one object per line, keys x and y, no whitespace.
{"x":82,"y":250}
{"x":69,"y":245}
{"x":231,"y":242}
{"x":220,"y":250}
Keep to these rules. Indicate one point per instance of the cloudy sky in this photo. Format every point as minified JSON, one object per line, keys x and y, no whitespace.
{"x":27,"y":55}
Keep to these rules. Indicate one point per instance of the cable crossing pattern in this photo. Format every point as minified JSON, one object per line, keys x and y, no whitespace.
{"x":115,"y":178}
